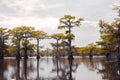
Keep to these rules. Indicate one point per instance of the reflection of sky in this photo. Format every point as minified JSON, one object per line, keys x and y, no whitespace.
{"x":47,"y":69}
{"x":9,"y":73}
{"x":82,"y":73}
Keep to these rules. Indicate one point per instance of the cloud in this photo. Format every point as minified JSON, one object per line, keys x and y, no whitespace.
{"x":25,"y":6}
{"x":116,"y":6}
{"x":3,"y":17}
{"x":48,"y":24}
{"x":91,"y":23}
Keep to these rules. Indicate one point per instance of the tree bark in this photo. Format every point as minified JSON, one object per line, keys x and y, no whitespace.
{"x":70,"y":55}
{"x":25,"y":52}
{"x":57,"y":53}
{"x":38,"y":56}
{"x":18,"y":52}
{"x":119,"y":44}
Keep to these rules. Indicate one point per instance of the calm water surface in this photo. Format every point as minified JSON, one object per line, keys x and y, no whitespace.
{"x":51,"y":69}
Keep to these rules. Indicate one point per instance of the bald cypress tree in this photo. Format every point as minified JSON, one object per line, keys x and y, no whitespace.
{"x":68,"y":22}
{"x":3,"y":38}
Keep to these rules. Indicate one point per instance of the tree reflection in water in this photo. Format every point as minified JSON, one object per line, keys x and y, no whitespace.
{"x":1,"y":69}
{"x":110,"y":70}
{"x":18,"y":70}
{"x":70,"y":71}
{"x":25,"y":69}
{"x":37,"y":69}
{"x":57,"y":68}
{"x":62,"y":69}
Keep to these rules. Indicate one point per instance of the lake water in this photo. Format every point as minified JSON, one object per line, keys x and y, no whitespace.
{"x":52,"y":69}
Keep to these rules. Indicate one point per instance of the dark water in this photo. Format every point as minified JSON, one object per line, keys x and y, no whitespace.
{"x":51,"y":69}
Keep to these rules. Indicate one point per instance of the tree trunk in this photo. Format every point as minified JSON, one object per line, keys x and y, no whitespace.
{"x":25,"y":52}
{"x":90,"y":54}
{"x":119,"y":52}
{"x":57,"y":53}
{"x":2,"y":49}
{"x":2,"y":57}
{"x":119,"y":44}
{"x":18,"y":52}
{"x":70,"y":55}
{"x":38,"y":56}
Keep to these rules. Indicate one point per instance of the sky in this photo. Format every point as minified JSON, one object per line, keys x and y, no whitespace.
{"x":45,"y":15}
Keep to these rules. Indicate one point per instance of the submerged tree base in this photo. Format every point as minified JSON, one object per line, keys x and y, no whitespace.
{"x":1,"y":57}
{"x":118,"y":60}
{"x":25,"y":57}
{"x":38,"y":57}
{"x":70,"y":58}
{"x":18,"y":57}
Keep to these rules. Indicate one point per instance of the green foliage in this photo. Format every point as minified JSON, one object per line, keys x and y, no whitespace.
{"x":20,"y":37}
{"x":39,"y":34}
{"x":57,"y":36}
{"x":3,"y":40}
{"x":69,"y":36}
{"x":110,"y":36}
{"x":10,"y":49}
{"x":25,"y":42}
{"x":69,"y":21}
{"x":3,"y":34}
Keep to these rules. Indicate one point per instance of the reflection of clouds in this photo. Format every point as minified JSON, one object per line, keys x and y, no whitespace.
{"x":46,"y":68}
{"x":83,"y":73}
{"x":81,"y":69}
{"x":32,"y":71}
{"x":8,"y":74}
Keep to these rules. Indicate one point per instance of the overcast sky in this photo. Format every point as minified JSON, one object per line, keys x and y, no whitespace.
{"x":45,"y":14}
